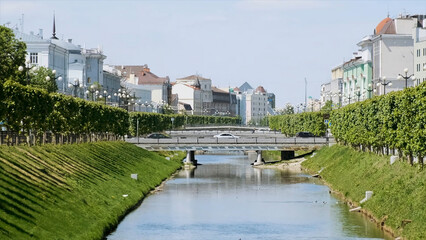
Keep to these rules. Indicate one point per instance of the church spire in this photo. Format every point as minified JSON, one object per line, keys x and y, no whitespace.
{"x":54,"y":28}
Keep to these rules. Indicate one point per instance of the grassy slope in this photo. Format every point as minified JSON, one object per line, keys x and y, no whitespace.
{"x":399,"y":189}
{"x":73,"y":191}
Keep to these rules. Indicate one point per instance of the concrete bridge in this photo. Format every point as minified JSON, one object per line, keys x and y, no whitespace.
{"x":248,"y":141}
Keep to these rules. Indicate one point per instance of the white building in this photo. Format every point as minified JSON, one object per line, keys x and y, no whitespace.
{"x":419,"y":37}
{"x":252,"y":105}
{"x":392,"y":52}
{"x":141,"y":79}
{"x":189,"y":95}
{"x":46,"y":53}
{"x":74,"y":64}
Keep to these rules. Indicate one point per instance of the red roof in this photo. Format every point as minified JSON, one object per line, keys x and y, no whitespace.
{"x":260,"y":89}
{"x":380,"y":26}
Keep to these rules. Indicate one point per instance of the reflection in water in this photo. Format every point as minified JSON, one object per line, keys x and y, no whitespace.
{"x":226,"y":198}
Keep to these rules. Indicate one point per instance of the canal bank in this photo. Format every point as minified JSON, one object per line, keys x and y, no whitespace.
{"x":399,"y":190}
{"x":77,"y":191}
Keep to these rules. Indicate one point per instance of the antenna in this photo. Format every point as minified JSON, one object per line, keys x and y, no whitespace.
{"x":21,"y":22}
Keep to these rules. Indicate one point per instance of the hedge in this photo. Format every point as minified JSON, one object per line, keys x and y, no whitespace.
{"x":290,"y":124}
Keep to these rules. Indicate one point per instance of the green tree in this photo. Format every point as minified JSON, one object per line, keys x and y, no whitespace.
{"x":328,"y":106}
{"x":12,"y":55}
{"x":44,"y":78}
{"x":289,"y":109}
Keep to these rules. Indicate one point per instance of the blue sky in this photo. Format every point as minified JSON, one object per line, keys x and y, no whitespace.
{"x":271,"y":43}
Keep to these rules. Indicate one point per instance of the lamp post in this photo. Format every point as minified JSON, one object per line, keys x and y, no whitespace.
{"x":349,"y":98}
{"x":91,"y":90}
{"x":105,"y":95}
{"x":139,"y":103}
{"x":75,"y":85}
{"x":384,"y":83}
{"x":27,"y":69}
{"x":369,"y":90}
{"x":59,"y":78}
{"x":357,"y":93}
{"x":406,"y":77}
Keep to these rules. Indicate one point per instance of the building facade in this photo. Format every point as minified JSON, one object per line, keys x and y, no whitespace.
{"x":419,"y":37}
{"x":392,"y":53}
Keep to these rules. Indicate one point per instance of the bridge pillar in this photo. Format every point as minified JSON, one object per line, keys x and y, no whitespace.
{"x":287,"y":155}
{"x":190,"y":159}
{"x":259,"y":160}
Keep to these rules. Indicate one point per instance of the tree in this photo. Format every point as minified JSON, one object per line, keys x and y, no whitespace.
{"x":327,"y":107}
{"x":44,"y":78}
{"x":289,"y":109}
{"x":12,"y":55}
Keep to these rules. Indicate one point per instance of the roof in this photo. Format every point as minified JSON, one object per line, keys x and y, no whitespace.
{"x":380,"y":26}
{"x":193,"y":77}
{"x":215,"y":89}
{"x":260,"y":89}
{"x":28,"y":37}
{"x":186,"y":106}
{"x":388,"y":28}
{"x":236,"y":89}
{"x":245,"y":87}
{"x":143,"y":73}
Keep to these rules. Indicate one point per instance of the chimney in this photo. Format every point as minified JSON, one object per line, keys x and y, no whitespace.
{"x":146,"y":68}
{"x":69,"y":40}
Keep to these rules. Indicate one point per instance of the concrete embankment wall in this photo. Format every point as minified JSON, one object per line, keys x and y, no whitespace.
{"x":399,"y":190}
{"x":77,"y":191}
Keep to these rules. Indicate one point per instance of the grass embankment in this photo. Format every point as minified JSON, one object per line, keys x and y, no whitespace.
{"x":74,"y":191}
{"x":399,"y":189}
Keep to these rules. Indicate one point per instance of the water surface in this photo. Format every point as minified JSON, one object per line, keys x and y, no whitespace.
{"x":226,"y":198}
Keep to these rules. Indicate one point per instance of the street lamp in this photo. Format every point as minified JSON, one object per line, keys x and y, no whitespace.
{"x":27,"y":69}
{"x":357,"y":93}
{"x":349,"y":98}
{"x":59,"y":78}
{"x":105,"y":96}
{"x":75,"y":85}
{"x":92,"y":90}
{"x":369,"y":90}
{"x":139,"y":103}
{"x":384,"y":83}
{"x":406,"y":77}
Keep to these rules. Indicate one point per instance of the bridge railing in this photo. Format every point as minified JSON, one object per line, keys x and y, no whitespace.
{"x":245,"y":140}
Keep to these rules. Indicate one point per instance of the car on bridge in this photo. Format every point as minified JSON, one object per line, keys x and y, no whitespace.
{"x":225,"y":135}
{"x":157,"y":135}
{"x":305,"y":134}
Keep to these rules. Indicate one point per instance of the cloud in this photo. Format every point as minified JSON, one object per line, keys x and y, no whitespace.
{"x":272,"y":5}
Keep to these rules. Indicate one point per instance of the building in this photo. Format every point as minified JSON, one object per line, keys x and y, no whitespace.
{"x":196,"y":91}
{"x":77,"y":66}
{"x":46,"y":53}
{"x":393,"y":52}
{"x":190,"y":97}
{"x":224,"y":102}
{"x":140,"y":78}
{"x":252,"y":104}
{"x":419,"y":37}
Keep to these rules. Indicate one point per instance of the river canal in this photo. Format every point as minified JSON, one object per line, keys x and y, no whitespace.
{"x":226,"y":198}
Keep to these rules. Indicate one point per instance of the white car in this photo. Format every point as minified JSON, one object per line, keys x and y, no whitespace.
{"x":225,"y":135}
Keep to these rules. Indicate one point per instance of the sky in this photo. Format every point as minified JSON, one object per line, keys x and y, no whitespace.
{"x":273,"y":43}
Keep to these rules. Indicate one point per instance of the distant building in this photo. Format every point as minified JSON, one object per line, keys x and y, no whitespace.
{"x":74,"y":64}
{"x":419,"y":37}
{"x":393,"y":52}
{"x":140,"y":79}
{"x":252,"y":104}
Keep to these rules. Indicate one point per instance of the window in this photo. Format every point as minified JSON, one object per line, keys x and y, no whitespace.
{"x":424,"y":51}
{"x":34,"y":58}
